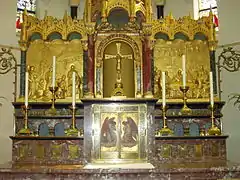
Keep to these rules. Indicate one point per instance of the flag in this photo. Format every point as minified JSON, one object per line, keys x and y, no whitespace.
{"x":215,"y":20}
{"x":18,"y":24}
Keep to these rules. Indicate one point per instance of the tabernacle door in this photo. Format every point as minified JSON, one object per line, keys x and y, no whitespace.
{"x":119,"y":132}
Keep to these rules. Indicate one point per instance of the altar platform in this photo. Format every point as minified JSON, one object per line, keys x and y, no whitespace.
{"x":185,"y":171}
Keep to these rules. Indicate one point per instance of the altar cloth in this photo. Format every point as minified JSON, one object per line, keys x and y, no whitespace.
{"x":119,"y":166}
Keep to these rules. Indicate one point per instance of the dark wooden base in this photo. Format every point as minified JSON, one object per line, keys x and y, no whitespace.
{"x":196,"y":171}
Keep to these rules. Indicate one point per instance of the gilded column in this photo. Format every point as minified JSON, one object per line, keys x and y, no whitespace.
{"x":132,"y":10}
{"x":104,"y":11}
{"x":148,"y":7}
{"x":147,"y":69}
{"x":89,"y":11}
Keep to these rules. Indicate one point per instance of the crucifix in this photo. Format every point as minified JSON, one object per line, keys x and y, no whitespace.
{"x":118,"y":91}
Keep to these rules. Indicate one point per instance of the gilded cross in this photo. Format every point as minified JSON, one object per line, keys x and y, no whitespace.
{"x":119,"y":57}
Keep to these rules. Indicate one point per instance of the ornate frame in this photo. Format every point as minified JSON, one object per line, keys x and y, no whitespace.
{"x":102,"y":42}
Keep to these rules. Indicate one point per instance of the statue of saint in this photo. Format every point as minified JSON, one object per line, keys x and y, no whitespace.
{"x":62,"y":87}
{"x":40,"y":89}
{"x":31,"y":81}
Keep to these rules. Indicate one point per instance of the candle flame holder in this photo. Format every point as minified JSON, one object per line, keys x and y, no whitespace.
{"x":53,"y":90}
{"x":185,"y":109}
{"x":165,"y":131}
{"x":214,"y":130}
{"x":73,"y":131}
{"x":25,"y":131}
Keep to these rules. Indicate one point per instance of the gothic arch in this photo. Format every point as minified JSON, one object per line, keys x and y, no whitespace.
{"x":122,"y":38}
{"x":120,"y":4}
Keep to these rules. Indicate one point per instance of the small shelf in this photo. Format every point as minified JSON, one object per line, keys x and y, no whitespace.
{"x":45,"y":138}
{"x":187,"y":116}
{"x":50,"y":117}
{"x":189,"y":137}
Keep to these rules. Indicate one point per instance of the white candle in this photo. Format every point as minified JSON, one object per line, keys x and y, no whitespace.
{"x":163,"y":89}
{"x":26,"y":89}
{"x":211,"y":88}
{"x":53,"y":71}
{"x":73,"y":89}
{"x":184,"y":70}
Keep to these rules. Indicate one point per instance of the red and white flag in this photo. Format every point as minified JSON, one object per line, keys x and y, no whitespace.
{"x":18,"y":24}
{"x":215,"y":20}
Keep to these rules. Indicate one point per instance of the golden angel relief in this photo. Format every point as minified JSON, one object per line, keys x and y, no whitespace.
{"x":167,"y":57}
{"x":110,"y":133}
{"x":68,"y":60}
{"x":130,"y":133}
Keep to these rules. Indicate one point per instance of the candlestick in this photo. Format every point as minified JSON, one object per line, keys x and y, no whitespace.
{"x":165,"y":131}
{"x":163,"y":89}
{"x":25,"y":131}
{"x":73,"y":131}
{"x":184,"y":70}
{"x":53,"y":90}
{"x":185,"y":109}
{"x":211,"y":88}
{"x":214,"y":130}
{"x":73,"y":90}
{"x":53,"y":71}
{"x":26,"y":89}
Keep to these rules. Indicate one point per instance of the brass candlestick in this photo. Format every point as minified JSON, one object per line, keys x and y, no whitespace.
{"x":214,"y":130}
{"x":165,"y":131}
{"x":53,"y":90}
{"x":72,"y":131}
{"x":25,"y":131}
{"x":185,"y":109}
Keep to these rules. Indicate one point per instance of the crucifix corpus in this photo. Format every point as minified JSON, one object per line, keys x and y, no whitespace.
{"x":118,"y":90}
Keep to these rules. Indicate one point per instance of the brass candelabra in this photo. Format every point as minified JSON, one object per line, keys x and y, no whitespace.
{"x":214,"y":130}
{"x":53,"y":90}
{"x":185,"y":109}
{"x":25,"y":131}
{"x":73,"y":131}
{"x":165,"y":131}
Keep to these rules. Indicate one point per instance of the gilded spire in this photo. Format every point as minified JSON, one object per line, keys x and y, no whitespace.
{"x":45,"y":13}
{"x":65,"y":17}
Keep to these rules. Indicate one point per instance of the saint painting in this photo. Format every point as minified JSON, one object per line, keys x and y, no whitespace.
{"x":108,"y":133}
{"x":130,"y":133}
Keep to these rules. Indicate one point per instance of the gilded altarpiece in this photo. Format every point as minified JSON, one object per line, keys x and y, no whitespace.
{"x":120,"y":132}
{"x":69,"y":59}
{"x":168,"y":58}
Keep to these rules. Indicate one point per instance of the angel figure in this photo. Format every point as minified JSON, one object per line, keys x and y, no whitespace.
{"x":130,"y":133}
{"x":108,"y":132}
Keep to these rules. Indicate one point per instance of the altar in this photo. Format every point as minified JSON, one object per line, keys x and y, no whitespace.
{"x":110,"y":98}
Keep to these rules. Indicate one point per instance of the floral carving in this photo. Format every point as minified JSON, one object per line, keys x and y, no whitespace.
{"x":7,"y":61}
